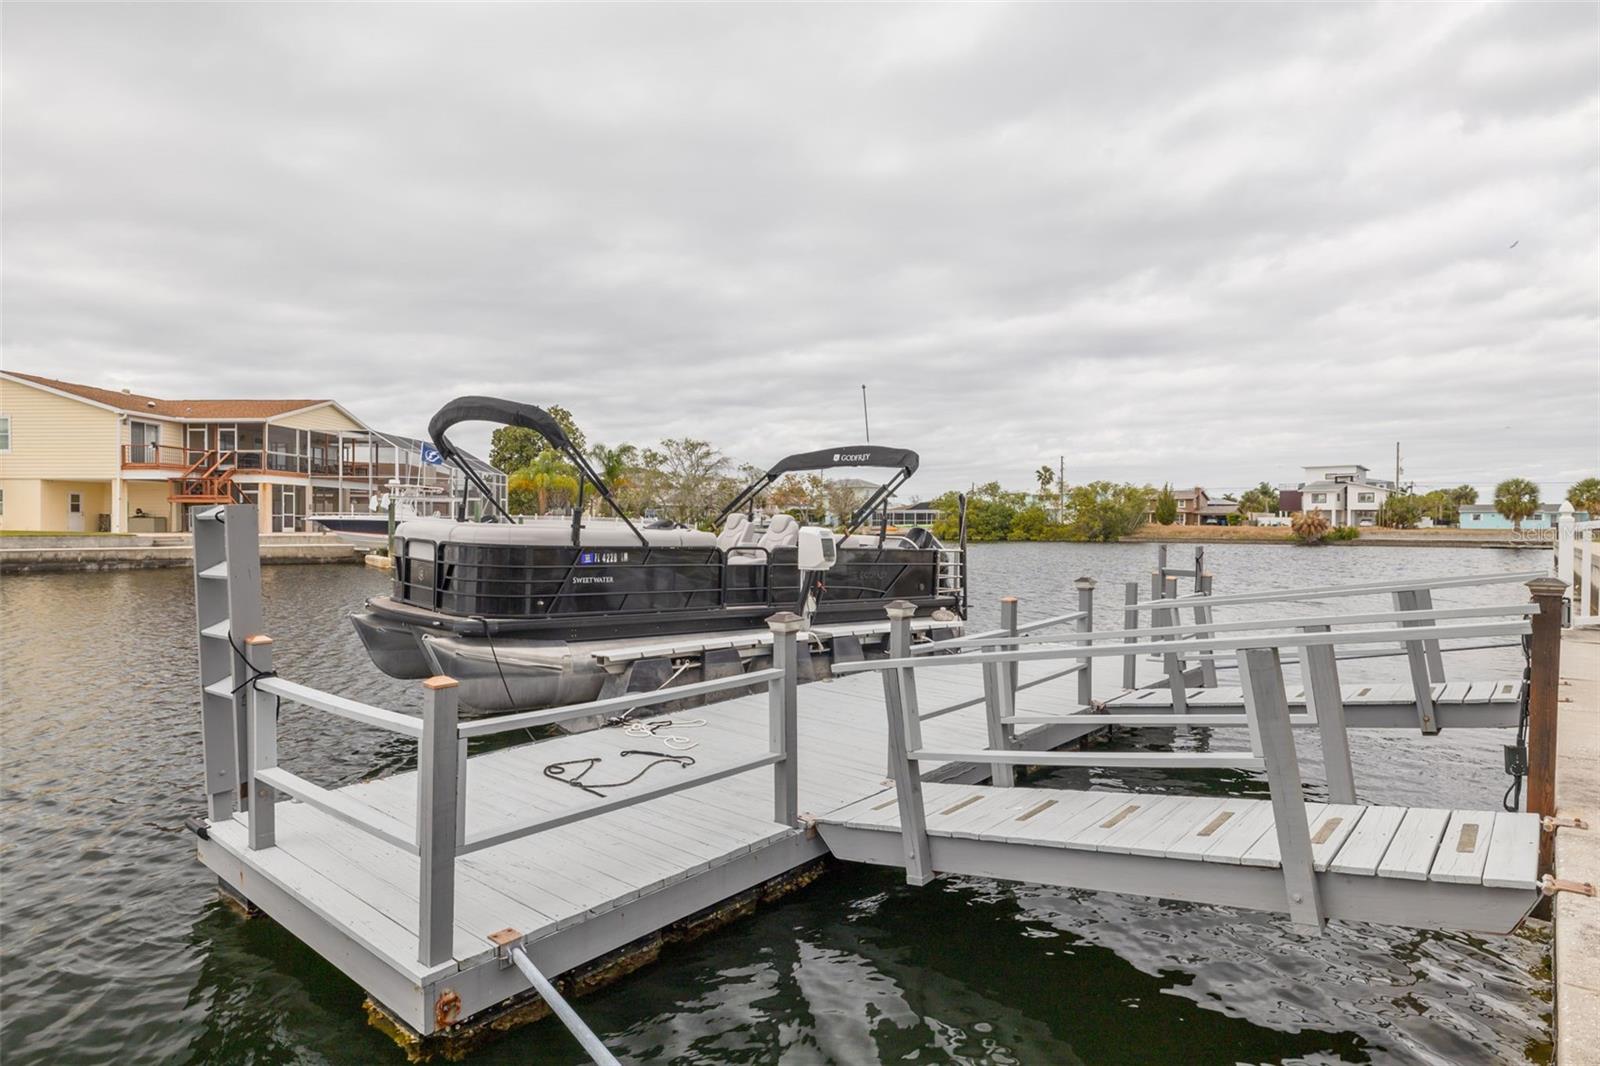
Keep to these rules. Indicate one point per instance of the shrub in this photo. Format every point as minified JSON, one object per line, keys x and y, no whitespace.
{"x":1309,"y":527}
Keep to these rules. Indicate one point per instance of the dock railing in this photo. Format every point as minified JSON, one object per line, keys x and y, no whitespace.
{"x":1266,"y":717}
{"x":439,"y":835}
{"x":1578,"y":564}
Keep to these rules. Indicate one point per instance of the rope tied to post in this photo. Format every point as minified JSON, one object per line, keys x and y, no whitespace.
{"x":252,"y":675}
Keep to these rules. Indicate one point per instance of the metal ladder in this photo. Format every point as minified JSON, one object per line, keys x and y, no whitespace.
{"x":227,"y":600}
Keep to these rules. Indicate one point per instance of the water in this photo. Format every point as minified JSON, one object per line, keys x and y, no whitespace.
{"x":114,"y":947}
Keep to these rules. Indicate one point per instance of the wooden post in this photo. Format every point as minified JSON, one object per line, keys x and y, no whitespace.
{"x":1199,"y":567}
{"x":783,"y":720}
{"x":1544,"y":680}
{"x":437,"y":793}
{"x":1423,"y":598}
{"x":1008,"y":622}
{"x":1130,"y":620}
{"x":1085,"y":587}
{"x":1268,"y":707}
{"x":1202,"y":616}
{"x":900,"y":703}
{"x":1417,"y":660}
{"x":1566,"y":533}
{"x":899,"y":648}
{"x":1319,"y":669}
{"x":263,"y":745}
{"x":1170,"y":616}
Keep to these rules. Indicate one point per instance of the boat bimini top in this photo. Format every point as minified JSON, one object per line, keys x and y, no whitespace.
{"x":527,"y":416}
{"x":902,"y":461}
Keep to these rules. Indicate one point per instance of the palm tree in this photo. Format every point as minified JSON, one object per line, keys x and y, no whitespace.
{"x":1309,"y":526}
{"x":1516,"y":498}
{"x":1046,"y":477}
{"x":546,"y":476}
{"x":614,"y":465}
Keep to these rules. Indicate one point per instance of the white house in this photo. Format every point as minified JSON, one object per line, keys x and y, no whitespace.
{"x":1345,"y":495}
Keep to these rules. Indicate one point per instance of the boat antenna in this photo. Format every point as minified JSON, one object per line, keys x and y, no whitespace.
{"x":865,"y":425}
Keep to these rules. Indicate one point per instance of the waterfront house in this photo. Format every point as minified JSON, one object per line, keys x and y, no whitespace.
{"x":80,"y":458}
{"x":1344,"y":495}
{"x":1216,"y":512}
{"x":1192,"y":504}
{"x":1484,"y":516}
{"x":922,"y":513}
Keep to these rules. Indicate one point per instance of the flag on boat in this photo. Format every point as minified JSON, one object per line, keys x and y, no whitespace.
{"x":430,"y":455}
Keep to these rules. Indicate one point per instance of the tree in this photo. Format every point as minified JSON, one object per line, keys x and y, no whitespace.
{"x":614,"y":465}
{"x":1166,"y":506}
{"x":543,"y":482}
{"x":1463,"y":495}
{"x":1309,"y":526}
{"x":1585,"y":496}
{"x":1516,"y":498}
{"x":1401,"y":511}
{"x":841,"y":500}
{"x":1105,"y":511}
{"x":692,"y":470}
{"x":1441,"y":506}
{"x":1263,"y":499}
{"x":1046,"y":477}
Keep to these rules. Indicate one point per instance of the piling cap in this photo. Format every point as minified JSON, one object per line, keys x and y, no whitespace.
{"x":785,"y":622}
{"x":1084,"y":583}
{"x":1547,"y":586}
{"x":901,"y":609}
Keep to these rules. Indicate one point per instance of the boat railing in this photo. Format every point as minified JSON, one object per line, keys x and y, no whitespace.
{"x":1266,"y":717}
{"x":440,"y":835}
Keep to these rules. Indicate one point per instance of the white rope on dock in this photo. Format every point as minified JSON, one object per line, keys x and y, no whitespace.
{"x":569,"y":1017}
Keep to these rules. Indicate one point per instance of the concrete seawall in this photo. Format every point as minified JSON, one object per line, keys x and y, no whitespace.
{"x":1577,"y":917}
{"x":34,"y":555}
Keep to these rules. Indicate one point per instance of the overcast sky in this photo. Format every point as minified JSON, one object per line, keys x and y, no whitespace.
{"x":1197,"y":244}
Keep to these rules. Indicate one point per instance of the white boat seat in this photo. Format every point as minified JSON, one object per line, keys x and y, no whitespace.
{"x":783,"y":531}
{"x":734,"y":531}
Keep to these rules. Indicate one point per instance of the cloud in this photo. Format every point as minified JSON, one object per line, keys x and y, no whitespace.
{"x":1181,"y":243}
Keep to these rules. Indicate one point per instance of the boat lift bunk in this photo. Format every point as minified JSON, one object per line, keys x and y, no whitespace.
{"x":544,"y":612}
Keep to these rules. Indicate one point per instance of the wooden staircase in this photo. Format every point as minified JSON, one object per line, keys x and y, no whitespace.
{"x":207,"y":480}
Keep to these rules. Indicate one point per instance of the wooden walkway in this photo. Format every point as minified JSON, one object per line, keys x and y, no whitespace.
{"x":1414,"y":866}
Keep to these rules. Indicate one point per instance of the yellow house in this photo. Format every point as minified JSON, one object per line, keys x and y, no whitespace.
{"x":77,"y":458}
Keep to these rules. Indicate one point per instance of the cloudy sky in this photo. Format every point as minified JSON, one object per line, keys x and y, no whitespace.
{"x":1192,"y":243}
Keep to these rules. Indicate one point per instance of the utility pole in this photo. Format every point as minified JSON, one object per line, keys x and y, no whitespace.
{"x":1397,"y":468}
{"x":865,"y":425}
{"x":1061,"y":491}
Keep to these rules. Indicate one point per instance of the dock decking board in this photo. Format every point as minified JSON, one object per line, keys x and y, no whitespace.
{"x":582,"y":889}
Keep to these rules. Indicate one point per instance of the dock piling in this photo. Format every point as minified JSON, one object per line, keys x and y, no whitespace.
{"x":900,"y":705}
{"x":1130,"y":621}
{"x":1085,"y":587}
{"x":783,"y":727}
{"x":263,"y":745}
{"x":1544,"y":680}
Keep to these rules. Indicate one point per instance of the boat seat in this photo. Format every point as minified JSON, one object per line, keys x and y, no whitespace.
{"x":783,"y":531}
{"x":734,"y":531}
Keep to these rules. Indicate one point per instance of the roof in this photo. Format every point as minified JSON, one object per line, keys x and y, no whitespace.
{"x":1220,"y":507}
{"x":400,"y":440}
{"x":1487,"y":508}
{"x":154,"y":405}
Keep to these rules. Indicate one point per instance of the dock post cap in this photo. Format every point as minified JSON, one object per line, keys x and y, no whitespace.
{"x":258,"y":639}
{"x":504,"y":936}
{"x":439,"y":681}
{"x":785,"y":622}
{"x":901,"y":609}
{"x":1009,"y":599}
{"x":1567,"y":508}
{"x":1547,"y":586}
{"x":1084,"y":583}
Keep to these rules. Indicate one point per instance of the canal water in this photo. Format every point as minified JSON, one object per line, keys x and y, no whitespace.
{"x":115,"y":949}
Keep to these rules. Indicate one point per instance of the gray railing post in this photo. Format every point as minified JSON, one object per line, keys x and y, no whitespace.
{"x":1085,"y":587}
{"x":1199,"y":566}
{"x":437,"y":794}
{"x":1268,"y":707}
{"x":1000,"y":698}
{"x":1423,"y":599}
{"x":783,"y":719}
{"x":1170,"y":616}
{"x":1417,"y":660}
{"x":1130,"y":620}
{"x":904,"y":738}
{"x":1319,"y":669}
{"x":263,"y":745}
{"x":1202,"y":617}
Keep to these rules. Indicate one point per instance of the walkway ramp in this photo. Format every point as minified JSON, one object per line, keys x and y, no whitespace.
{"x":1445,"y":869}
{"x":1493,"y":704}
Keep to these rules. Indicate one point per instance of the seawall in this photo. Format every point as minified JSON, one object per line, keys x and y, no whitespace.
{"x":34,"y":555}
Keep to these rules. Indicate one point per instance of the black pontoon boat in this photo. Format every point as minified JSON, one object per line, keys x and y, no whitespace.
{"x":550,"y":611}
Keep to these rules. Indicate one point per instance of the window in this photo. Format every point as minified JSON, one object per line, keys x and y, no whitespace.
{"x":1319,"y":497}
{"x":2,"y":503}
{"x":1364,"y":497}
{"x":5,"y":433}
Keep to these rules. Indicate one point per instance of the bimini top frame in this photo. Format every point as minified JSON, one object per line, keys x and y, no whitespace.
{"x":527,"y":416}
{"x":864,"y":456}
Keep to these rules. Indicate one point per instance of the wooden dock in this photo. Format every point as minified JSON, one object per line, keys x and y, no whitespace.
{"x":425,"y":887}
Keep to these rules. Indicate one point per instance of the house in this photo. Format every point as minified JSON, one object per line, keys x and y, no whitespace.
{"x":1484,"y":516}
{"x":1191,"y":505}
{"x":922,"y":513}
{"x":1290,"y":501}
{"x":80,"y":458}
{"x":1345,"y":495}
{"x":1216,"y":512}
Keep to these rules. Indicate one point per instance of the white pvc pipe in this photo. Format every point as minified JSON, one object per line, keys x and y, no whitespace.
{"x":569,"y":1017}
